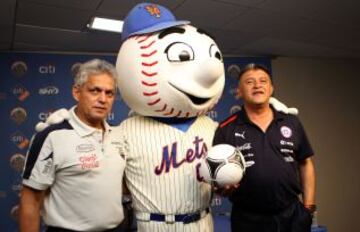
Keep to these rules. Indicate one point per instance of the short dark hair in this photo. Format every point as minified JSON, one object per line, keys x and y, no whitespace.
{"x":253,"y":66}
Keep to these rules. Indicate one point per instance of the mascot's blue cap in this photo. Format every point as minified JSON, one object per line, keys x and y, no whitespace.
{"x":146,"y":18}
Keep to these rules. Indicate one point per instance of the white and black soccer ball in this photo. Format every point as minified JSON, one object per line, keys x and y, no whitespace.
{"x":223,"y":165}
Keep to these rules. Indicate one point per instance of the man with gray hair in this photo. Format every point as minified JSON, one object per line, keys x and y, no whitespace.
{"x":73,"y":172}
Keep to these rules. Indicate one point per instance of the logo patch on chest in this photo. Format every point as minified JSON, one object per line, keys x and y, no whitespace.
{"x":85,"y":147}
{"x":89,"y":161}
{"x":286,"y":131}
{"x":242,"y":134}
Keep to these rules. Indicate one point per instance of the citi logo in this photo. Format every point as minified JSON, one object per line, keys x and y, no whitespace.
{"x":47,"y":69}
{"x":111,"y":116}
{"x":233,"y":92}
{"x":216,"y":201}
{"x":20,"y":92}
{"x":49,"y":90}
{"x":44,"y":115}
{"x":16,"y":187}
{"x":19,"y":140}
{"x":212,"y":114}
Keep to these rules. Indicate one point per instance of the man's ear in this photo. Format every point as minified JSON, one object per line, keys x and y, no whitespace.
{"x":272,"y":90}
{"x":76,"y":92}
{"x":238,"y":93}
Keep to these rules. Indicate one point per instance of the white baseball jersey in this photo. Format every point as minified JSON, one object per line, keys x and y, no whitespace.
{"x":162,"y":171}
{"x":83,"y":173}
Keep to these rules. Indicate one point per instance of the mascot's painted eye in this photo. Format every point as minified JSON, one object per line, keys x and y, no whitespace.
{"x":179,"y":52}
{"x":215,"y":52}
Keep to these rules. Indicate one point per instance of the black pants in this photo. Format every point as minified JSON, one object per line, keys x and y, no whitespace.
{"x":295,"y":218}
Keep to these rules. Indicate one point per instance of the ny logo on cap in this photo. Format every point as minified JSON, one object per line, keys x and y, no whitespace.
{"x":153,"y":10}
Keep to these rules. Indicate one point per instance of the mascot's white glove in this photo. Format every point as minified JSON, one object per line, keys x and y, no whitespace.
{"x":56,"y":117}
{"x":279,"y":106}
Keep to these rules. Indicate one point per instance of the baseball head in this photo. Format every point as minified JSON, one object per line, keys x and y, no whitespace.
{"x":223,"y":165}
{"x":177,"y":71}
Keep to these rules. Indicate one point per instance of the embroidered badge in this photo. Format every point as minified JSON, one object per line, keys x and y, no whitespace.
{"x":286,"y":131}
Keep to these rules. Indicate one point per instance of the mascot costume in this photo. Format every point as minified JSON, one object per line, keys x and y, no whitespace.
{"x":170,"y":74}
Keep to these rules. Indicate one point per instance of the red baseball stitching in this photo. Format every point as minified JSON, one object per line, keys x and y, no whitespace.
{"x":150,"y":94}
{"x":146,"y":64}
{"x":169,"y":113}
{"x":154,"y":102}
{"x":148,"y":74}
{"x":163,"y":109}
{"x":149,"y":64}
{"x":143,"y":40}
{"x":178,"y":114}
{"x":148,"y":54}
{"x":148,"y":45}
{"x":148,"y":84}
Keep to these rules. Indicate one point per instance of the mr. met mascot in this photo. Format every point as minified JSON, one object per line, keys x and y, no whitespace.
{"x":171,"y":74}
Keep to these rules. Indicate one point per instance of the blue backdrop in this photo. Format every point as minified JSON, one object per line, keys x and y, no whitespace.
{"x":33,"y":85}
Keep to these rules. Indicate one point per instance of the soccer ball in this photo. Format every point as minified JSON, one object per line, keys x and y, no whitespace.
{"x":223,"y":165}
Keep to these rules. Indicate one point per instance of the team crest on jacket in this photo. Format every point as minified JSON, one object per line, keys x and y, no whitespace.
{"x":286,"y":131}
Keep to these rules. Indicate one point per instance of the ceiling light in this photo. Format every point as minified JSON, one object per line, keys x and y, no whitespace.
{"x":105,"y":24}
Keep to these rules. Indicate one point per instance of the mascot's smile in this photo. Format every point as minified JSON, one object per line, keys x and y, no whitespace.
{"x":195,"y":100}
